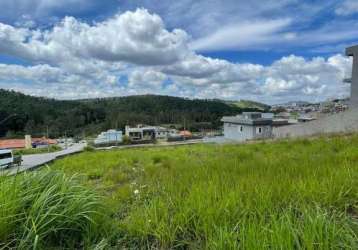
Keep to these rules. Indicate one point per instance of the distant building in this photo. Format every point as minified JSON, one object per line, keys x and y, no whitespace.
{"x":110,"y":136}
{"x":248,"y":126}
{"x":185,"y":134}
{"x":147,"y":133}
{"x":21,"y":143}
{"x":305,"y":119}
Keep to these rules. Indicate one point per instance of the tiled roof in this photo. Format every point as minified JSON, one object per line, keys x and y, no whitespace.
{"x":20,"y":143}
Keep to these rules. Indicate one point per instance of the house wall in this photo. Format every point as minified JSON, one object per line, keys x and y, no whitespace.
{"x":354,"y":84}
{"x":266,"y":132}
{"x":232,"y":132}
{"x":249,"y":132}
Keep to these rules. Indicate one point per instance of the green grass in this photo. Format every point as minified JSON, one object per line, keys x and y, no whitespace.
{"x":300,"y":194}
{"x":49,"y":209}
{"x":52,"y":148}
{"x":291,"y":194}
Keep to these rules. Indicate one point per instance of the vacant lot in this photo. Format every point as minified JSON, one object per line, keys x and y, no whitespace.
{"x":300,"y":194}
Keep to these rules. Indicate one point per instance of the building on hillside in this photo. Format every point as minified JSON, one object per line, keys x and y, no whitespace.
{"x":110,"y":136}
{"x":149,"y":133}
{"x":248,"y":126}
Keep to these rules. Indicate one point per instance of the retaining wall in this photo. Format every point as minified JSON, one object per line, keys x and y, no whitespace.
{"x":336,"y":123}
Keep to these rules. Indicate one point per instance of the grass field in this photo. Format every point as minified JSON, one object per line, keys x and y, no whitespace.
{"x":300,"y":194}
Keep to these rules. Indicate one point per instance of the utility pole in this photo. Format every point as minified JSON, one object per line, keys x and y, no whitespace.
{"x":48,"y":143}
{"x":65,"y":139}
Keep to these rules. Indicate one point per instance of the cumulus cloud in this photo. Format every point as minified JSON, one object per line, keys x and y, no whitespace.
{"x":134,"y":37}
{"x":134,"y":53}
{"x":146,"y":78}
{"x":347,"y":7}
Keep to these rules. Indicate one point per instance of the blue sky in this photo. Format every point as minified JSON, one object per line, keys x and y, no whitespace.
{"x":271,"y":51}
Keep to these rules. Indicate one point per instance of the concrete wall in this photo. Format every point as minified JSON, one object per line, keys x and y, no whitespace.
{"x":266,"y":132}
{"x":337,"y":123}
{"x":232,"y":132}
{"x":354,"y":84}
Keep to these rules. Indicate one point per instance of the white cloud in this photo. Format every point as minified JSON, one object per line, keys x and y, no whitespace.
{"x":244,"y":35}
{"x":133,"y":53}
{"x":133,"y":37}
{"x":347,"y":7}
{"x":146,"y":78}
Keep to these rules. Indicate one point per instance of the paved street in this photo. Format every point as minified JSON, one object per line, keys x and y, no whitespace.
{"x":36,"y":160}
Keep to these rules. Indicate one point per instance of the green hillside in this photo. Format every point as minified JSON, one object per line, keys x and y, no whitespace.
{"x":246,"y":104}
{"x":87,"y":117}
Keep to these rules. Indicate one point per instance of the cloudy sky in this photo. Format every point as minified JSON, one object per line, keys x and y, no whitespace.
{"x":271,"y":51}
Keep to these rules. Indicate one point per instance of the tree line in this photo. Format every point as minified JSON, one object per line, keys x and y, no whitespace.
{"x":40,"y":116}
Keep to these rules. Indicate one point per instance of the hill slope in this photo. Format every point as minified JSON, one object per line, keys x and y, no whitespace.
{"x":247,"y":104}
{"x":85,"y":117}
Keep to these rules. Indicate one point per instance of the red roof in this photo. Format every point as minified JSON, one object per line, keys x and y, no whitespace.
{"x":20,"y":143}
{"x":186,"y":133}
{"x":12,"y":143}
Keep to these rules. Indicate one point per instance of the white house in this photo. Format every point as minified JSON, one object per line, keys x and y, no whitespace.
{"x":248,"y":126}
{"x":142,"y":133}
{"x":110,"y":136}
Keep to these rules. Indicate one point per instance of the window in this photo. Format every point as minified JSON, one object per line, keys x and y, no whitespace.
{"x":5,"y":156}
{"x":241,"y":128}
{"x":258,"y":130}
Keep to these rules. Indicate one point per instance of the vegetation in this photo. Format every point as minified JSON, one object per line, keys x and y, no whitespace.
{"x":48,"y":209}
{"x":247,"y":104}
{"x":35,"y":115}
{"x":299,"y":194}
{"x":30,"y":151}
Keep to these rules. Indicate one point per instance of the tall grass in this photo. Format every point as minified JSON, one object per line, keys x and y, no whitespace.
{"x":49,"y":209}
{"x":300,"y":194}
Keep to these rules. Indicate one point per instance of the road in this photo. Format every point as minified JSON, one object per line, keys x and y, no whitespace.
{"x":36,"y":160}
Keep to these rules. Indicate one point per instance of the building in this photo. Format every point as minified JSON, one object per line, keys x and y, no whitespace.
{"x":110,"y":136}
{"x":353,"y":51}
{"x":149,"y":133}
{"x":21,"y":143}
{"x":248,"y":126}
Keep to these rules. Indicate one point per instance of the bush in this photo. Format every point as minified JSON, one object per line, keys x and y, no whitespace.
{"x":89,"y":149}
{"x":126,"y":140}
{"x":48,"y":209}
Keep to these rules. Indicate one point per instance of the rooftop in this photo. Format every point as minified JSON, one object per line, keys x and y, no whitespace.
{"x":248,"y":118}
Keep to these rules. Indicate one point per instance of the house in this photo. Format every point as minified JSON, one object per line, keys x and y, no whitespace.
{"x":248,"y":126}
{"x":110,"y":136}
{"x":21,"y":143}
{"x":185,"y":134}
{"x":148,"y":133}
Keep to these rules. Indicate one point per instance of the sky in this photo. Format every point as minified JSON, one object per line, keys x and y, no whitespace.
{"x":271,"y":51}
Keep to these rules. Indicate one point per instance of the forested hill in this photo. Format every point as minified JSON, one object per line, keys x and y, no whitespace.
{"x":33,"y":115}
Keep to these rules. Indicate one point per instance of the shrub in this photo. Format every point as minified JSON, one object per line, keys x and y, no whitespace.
{"x":89,"y":149}
{"x":126,"y":140}
{"x":49,"y":209}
